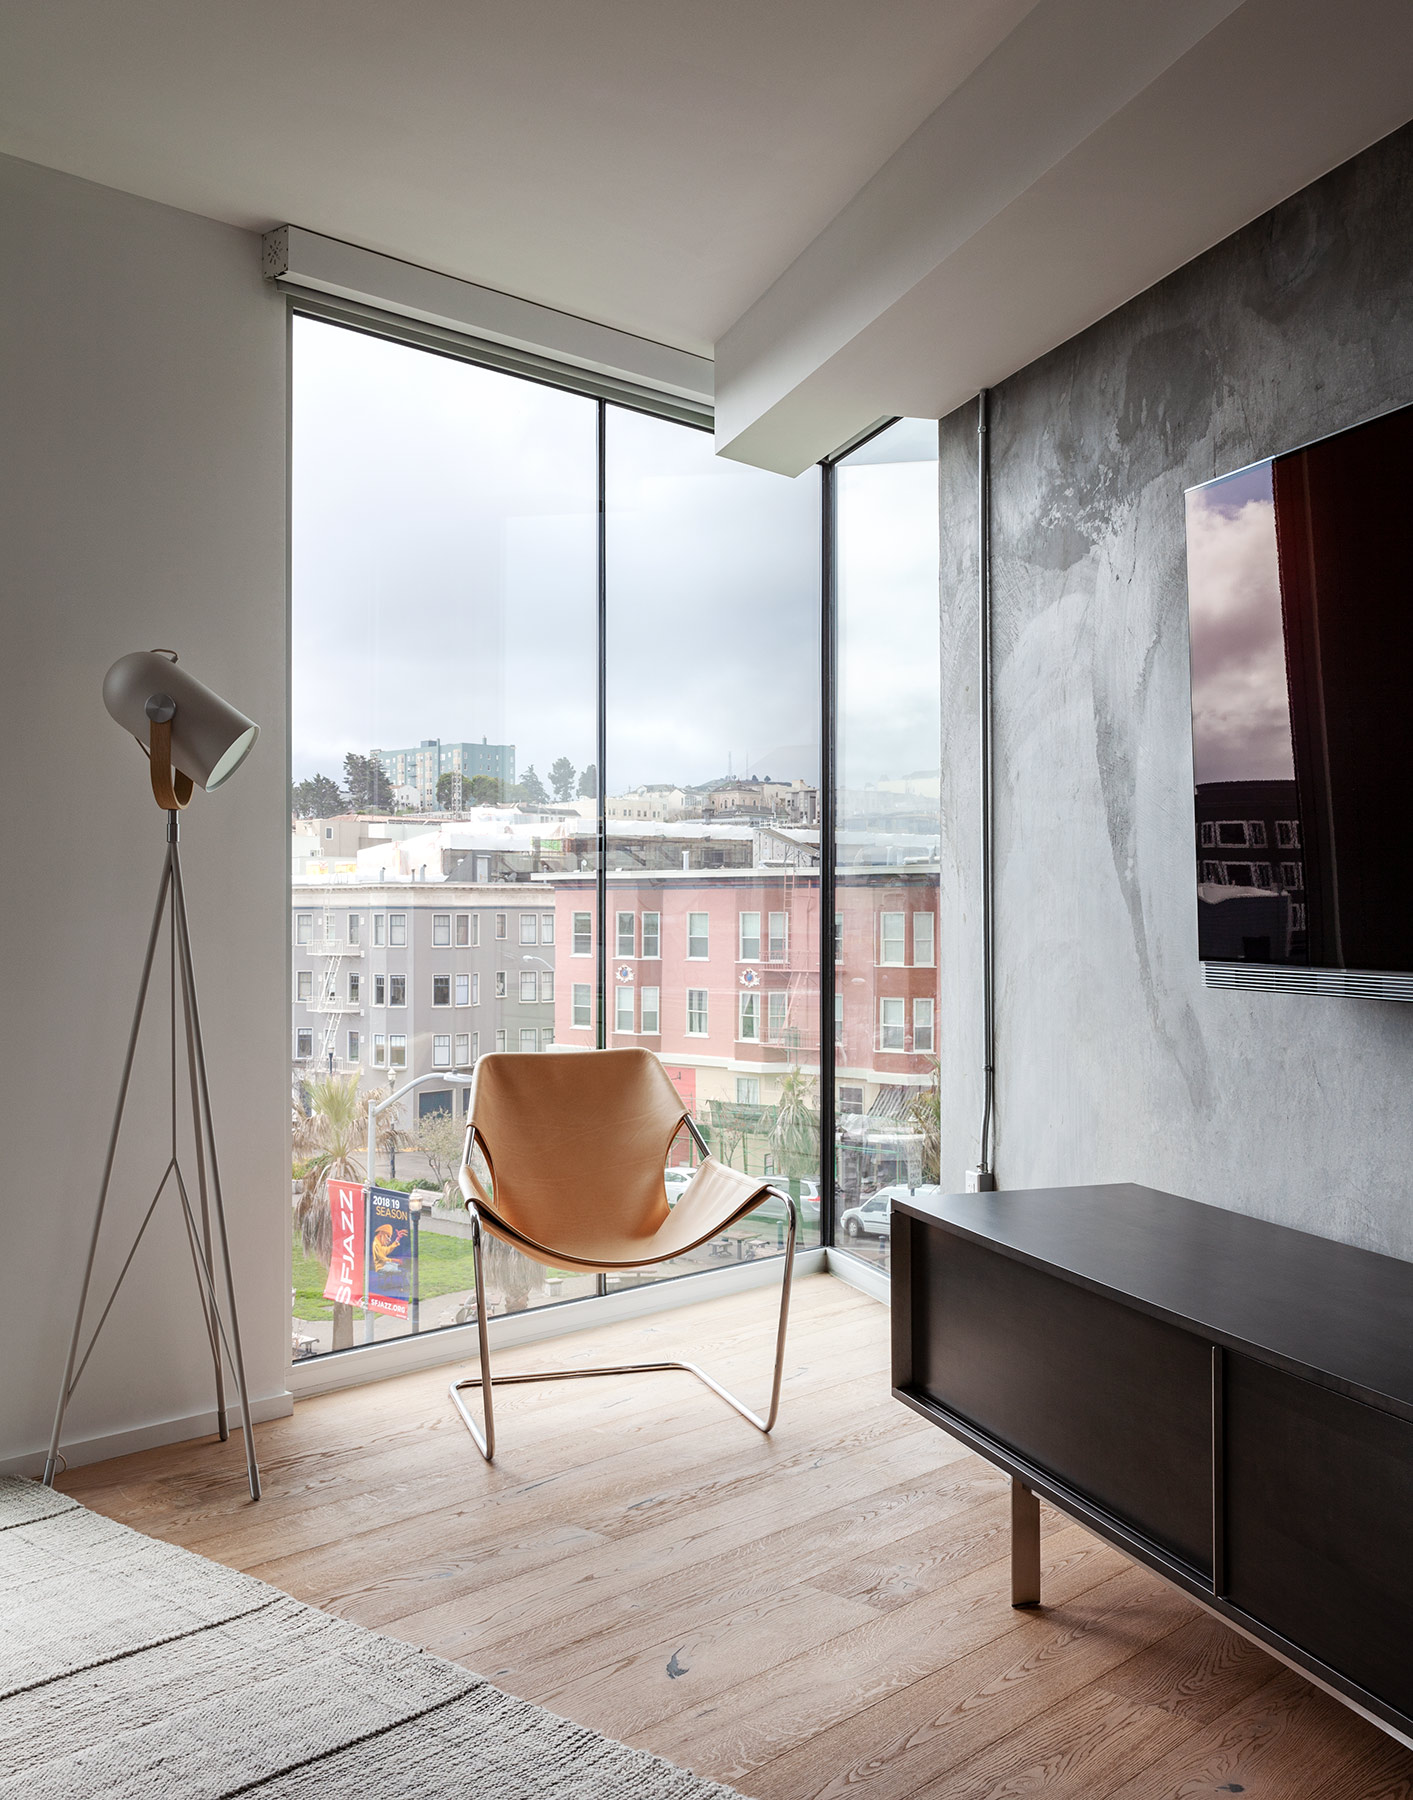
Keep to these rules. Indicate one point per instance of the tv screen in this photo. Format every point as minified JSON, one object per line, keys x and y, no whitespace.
{"x":1300,"y":597}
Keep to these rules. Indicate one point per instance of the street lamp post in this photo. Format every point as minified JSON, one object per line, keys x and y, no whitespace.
{"x":376,"y":1108}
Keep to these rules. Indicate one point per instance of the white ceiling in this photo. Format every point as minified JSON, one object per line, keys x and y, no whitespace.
{"x":652,"y":164}
{"x":859,"y":207}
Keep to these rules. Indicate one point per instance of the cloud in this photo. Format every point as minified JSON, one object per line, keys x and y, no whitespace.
{"x":1240,"y":705}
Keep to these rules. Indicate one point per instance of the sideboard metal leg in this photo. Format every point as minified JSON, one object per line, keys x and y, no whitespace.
{"x":1025,"y":1545}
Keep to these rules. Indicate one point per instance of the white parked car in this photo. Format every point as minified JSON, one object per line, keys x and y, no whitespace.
{"x":873,"y":1217}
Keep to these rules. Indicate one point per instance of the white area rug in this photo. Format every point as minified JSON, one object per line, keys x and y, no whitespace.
{"x":130,"y":1669}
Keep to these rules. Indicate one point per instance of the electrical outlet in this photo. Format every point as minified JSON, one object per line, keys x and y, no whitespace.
{"x":980,"y":1181}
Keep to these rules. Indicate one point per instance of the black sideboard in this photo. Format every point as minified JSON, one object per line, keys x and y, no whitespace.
{"x":1226,"y":1400}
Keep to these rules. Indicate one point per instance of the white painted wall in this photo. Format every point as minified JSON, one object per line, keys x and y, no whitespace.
{"x":142,"y":502}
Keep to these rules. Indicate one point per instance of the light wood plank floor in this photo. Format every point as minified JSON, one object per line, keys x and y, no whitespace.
{"x":820,"y":1614}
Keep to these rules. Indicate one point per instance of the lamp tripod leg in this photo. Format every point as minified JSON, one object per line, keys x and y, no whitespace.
{"x":204,"y":1122}
{"x":201,"y":1247}
{"x":66,"y":1386}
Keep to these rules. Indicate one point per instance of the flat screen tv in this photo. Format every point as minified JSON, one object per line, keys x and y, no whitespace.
{"x":1300,"y":598}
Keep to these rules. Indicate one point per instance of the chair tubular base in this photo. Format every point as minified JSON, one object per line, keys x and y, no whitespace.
{"x":486,"y":1438}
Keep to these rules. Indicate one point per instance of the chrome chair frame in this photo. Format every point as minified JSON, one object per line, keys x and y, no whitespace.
{"x":486,"y":1438}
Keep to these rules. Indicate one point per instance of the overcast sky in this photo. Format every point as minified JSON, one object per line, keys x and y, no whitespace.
{"x":1240,"y":703}
{"x":444,"y":581}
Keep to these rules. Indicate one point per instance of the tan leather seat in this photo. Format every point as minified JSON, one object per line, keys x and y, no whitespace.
{"x":575,"y":1148}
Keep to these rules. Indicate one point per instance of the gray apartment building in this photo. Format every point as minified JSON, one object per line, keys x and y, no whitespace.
{"x":393,"y":980}
{"x":420,"y":765}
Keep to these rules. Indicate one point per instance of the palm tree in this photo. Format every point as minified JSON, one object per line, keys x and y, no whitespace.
{"x":794,"y":1135}
{"x":326,"y":1140}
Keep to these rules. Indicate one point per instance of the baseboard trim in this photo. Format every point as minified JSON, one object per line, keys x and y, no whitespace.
{"x":864,"y":1276}
{"x":146,"y":1437}
{"x":457,"y":1343}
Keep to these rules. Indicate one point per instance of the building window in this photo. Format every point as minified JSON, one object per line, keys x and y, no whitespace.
{"x":529,"y":987}
{"x":304,"y":985}
{"x":1212,"y":874}
{"x":500,"y":924}
{"x":838,"y":1018}
{"x":750,"y":937}
{"x":696,"y":1012}
{"x":1297,"y":915}
{"x":355,"y":929}
{"x":698,"y":936}
{"x":652,"y":935}
{"x":475,"y":1050}
{"x":303,"y":1045}
{"x":547,"y":987}
{"x":463,"y":1049}
{"x":500,"y":1040}
{"x":475,"y":928}
{"x":1293,"y":875}
{"x":546,"y":1037}
{"x":529,"y":928}
{"x":851,"y":1100}
{"x":838,"y":937}
{"x":380,"y":1050}
{"x":623,"y":1009}
{"x":397,"y":990}
{"x":1209,"y":836}
{"x":582,"y":1015}
{"x":924,"y":940}
{"x":355,"y":987}
{"x":648,"y":1010}
{"x":441,"y":931}
{"x":1287,"y":834}
{"x":380,"y":929}
{"x":750,"y":1018}
{"x":463,"y":930}
{"x":441,"y":990}
{"x":380,"y":990}
{"x":583,"y":934}
{"x":891,"y":937}
{"x":304,"y":928}
{"x":397,"y":1050}
{"x":776,"y":1013}
{"x":627,"y":934}
{"x":355,"y":1047}
{"x":476,"y":987}
{"x":1257,"y":831}
{"x":529,"y":1040}
{"x":397,"y":930}
{"x":1231,"y":834}
{"x":748,"y":1090}
{"x":892,"y":1023}
{"x":441,"y":1052}
{"x":500,"y":984}
{"x":922,"y":1026}
{"x":546,"y":928}
{"x":463,"y":990}
{"x":778,"y":939}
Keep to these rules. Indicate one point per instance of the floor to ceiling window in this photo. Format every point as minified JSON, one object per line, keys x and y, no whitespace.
{"x":887,"y":830}
{"x":527,"y":620}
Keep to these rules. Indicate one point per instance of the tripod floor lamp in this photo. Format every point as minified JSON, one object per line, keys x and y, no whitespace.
{"x":191,"y":737}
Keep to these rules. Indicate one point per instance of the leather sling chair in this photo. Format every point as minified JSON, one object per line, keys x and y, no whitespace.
{"x":576,"y":1145}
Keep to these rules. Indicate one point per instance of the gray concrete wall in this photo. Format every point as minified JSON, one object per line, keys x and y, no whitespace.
{"x":1114,"y":1062}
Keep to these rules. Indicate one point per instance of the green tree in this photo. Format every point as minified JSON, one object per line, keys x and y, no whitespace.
{"x":453,"y":791}
{"x":485,"y":790}
{"x":532,"y":788}
{"x":326,"y":1142}
{"x":562,"y":778}
{"x":369,"y":789}
{"x":925,"y":1117}
{"x":319,"y":797}
{"x":589,"y":783}
{"x":439,"y":1137}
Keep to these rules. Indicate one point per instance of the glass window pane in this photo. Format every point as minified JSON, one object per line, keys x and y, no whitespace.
{"x":888,"y":826}
{"x":445,"y":656}
{"x":583,"y":934}
{"x":623,"y":1009}
{"x":626,"y":941}
{"x":582,"y":1017}
{"x":711,"y":793}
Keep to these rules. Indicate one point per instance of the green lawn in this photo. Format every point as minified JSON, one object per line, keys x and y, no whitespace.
{"x":445,"y":1268}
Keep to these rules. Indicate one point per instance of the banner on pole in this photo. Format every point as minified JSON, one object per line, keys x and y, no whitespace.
{"x":345,"y":1283}
{"x":389,"y":1284}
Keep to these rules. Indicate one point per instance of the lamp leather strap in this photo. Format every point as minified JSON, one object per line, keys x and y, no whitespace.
{"x":170,"y":788}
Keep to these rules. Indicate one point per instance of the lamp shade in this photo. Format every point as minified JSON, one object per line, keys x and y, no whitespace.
{"x":210,"y":739}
